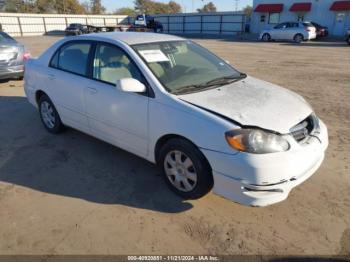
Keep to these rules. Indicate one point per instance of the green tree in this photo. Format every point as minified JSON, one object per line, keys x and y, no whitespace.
{"x":125,"y":11}
{"x":248,"y":10}
{"x":96,"y":7}
{"x":22,"y":6}
{"x":207,"y":8}
{"x":46,"y":6}
{"x":68,"y":7}
{"x":143,"y":6}
{"x":86,"y":6}
{"x":153,"y":7}
{"x":174,"y":7}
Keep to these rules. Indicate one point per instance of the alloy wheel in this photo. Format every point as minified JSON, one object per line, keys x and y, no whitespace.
{"x":48,"y":114}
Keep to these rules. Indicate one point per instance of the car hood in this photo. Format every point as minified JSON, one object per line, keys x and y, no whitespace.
{"x":253,"y":102}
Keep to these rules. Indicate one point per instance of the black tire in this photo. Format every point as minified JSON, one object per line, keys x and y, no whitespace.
{"x":298,"y":38}
{"x":201,"y":166}
{"x":58,"y":127}
{"x":348,"y":40}
{"x":266,"y":37}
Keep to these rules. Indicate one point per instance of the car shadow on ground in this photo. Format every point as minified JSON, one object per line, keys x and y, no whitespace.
{"x":76,"y":165}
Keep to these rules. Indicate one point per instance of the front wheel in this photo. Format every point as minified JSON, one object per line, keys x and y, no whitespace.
{"x":185,"y":168}
{"x":49,"y":115}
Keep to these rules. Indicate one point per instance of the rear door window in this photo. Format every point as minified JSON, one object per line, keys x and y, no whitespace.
{"x":73,"y":58}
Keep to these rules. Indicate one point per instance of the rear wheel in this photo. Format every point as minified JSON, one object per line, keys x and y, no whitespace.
{"x":266,"y":37}
{"x":186,"y":170}
{"x":348,"y":40}
{"x":298,"y":38}
{"x":49,"y":115}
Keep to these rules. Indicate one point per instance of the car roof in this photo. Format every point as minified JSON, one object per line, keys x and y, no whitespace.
{"x":132,"y":38}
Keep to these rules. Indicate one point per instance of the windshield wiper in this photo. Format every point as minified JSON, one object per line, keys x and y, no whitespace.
{"x":220,"y":81}
{"x":226,"y":79}
{"x":188,"y":89}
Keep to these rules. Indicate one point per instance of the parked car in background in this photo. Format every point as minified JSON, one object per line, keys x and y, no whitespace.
{"x":174,"y":103}
{"x":76,"y":29}
{"x":293,"y":31}
{"x":321,"y":30}
{"x":146,"y":23}
{"x":347,"y":37}
{"x":12,"y":57}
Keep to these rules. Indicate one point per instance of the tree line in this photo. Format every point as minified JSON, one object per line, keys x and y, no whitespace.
{"x":94,"y":7}
{"x":54,"y":6}
{"x":85,"y":7}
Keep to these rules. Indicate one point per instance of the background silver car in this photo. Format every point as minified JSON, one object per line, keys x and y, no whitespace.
{"x":12,"y":57}
{"x":295,"y":31}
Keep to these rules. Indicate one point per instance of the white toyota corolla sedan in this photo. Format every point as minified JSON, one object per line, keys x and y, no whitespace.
{"x":174,"y":103}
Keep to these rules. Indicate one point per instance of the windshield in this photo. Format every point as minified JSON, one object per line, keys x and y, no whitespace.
{"x":185,"y":67}
{"x":74,"y":26}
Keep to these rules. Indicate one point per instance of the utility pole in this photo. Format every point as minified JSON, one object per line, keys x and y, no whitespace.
{"x":236,"y":5}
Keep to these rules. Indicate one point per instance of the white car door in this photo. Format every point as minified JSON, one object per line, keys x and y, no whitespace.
{"x":114,"y":115}
{"x":291,"y":30}
{"x":66,"y":78}
{"x":278,"y":31}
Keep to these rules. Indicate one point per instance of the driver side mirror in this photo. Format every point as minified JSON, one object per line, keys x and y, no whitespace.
{"x":130,"y":85}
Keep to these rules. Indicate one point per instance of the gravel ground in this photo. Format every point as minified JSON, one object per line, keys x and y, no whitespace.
{"x":73,"y":194}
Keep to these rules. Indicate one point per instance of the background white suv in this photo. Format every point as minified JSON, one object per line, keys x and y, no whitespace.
{"x":296,"y":31}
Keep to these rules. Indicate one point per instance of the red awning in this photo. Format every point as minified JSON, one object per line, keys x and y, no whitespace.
{"x":340,"y":6}
{"x":300,"y":7}
{"x":269,"y":8}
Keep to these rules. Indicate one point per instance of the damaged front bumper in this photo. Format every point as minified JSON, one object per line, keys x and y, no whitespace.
{"x":261,"y":180}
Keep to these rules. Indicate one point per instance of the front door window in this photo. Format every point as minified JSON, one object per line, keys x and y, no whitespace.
{"x":112,"y":64}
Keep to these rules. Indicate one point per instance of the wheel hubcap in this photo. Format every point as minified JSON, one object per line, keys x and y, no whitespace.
{"x":180,"y":171}
{"x":48,"y":114}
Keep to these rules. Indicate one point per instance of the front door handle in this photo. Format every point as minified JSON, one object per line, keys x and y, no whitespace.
{"x":92,"y":90}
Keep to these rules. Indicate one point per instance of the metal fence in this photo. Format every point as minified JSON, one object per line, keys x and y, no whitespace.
{"x":38,"y":24}
{"x":203,"y":23}
{"x":186,"y":23}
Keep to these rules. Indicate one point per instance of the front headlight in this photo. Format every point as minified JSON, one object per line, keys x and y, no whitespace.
{"x":256,"y":141}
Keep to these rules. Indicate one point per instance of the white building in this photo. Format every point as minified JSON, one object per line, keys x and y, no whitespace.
{"x":333,"y":14}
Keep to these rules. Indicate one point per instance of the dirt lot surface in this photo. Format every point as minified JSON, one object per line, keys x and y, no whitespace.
{"x":73,"y":194}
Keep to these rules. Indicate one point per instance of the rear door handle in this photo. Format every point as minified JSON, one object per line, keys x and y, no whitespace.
{"x":92,"y":90}
{"x":51,"y":76}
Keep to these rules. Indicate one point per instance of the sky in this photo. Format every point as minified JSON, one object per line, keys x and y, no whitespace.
{"x":222,"y":5}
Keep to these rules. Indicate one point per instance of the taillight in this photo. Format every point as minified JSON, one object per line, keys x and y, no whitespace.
{"x":26,"y":56}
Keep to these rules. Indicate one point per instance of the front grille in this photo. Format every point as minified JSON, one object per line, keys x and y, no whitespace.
{"x":302,"y":131}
